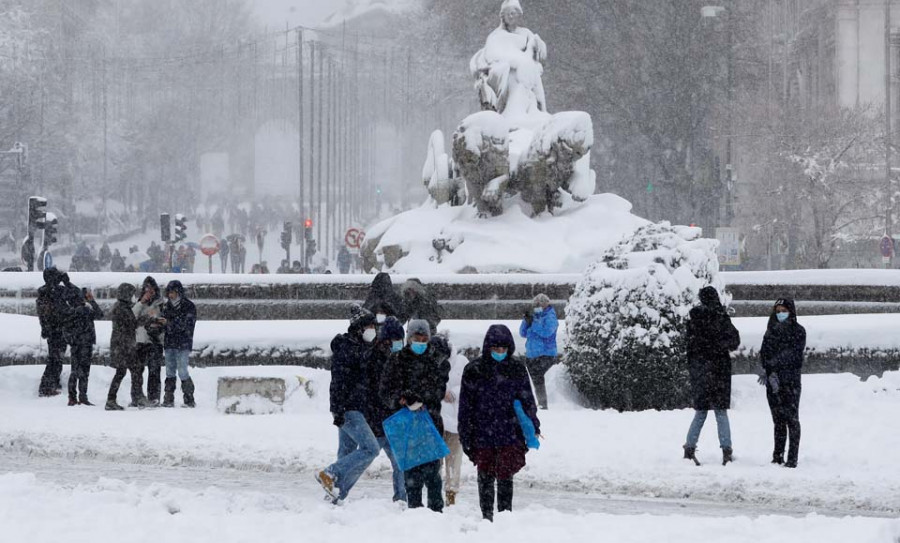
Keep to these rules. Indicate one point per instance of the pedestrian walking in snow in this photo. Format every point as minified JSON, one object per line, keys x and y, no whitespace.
{"x":224,"y":247}
{"x":179,"y":316}
{"x":489,"y":430}
{"x":53,"y":314}
{"x":417,"y":378}
{"x":123,"y":350}
{"x":710,"y":339}
{"x":388,"y":345}
{"x":383,"y":301}
{"x":782,"y":355}
{"x":150,"y":336}
{"x":450,"y":416}
{"x":419,"y":303}
{"x":539,"y":327}
{"x":344,"y":260}
{"x":357,"y":445}
{"x":82,"y":338}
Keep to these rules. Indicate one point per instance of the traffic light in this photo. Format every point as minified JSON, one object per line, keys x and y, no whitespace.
{"x":165,"y":233}
{"x":51,"y":228}
{"x":180,"y":228}
{"x":37,"y":213}
{"x":287,"y":236}
{"x":307,"y":230}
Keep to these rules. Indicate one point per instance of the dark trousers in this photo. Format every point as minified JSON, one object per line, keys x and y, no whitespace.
{"x":785,"y":408}
{"x":537,"y":369}
{"x":488,"y":487}
{"x":137,"y":384}
{"x":151,"y":356}
{"x":81,"y":372}
{"x":429,"y":476}
{"x":50,"y":381}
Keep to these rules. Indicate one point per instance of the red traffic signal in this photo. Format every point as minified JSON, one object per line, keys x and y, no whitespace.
{"x":307,"y":223}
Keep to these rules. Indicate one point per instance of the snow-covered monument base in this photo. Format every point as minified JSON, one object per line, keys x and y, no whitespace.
{"x":515,"y":191}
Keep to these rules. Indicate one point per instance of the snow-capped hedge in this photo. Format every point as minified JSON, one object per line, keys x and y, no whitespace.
{"x":625,"y":320}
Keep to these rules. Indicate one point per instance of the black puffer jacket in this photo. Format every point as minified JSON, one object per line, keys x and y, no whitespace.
{"x":122,"y":344}
{"x":417,"y":378}
{"x":711,"y":337}
{"x":80,"y":329}
{"x":383,"y":299}
{"x":349,"y":373}
{"x":784,"y":346}
{"x":180,"y":320}
{"x":52,"y":311}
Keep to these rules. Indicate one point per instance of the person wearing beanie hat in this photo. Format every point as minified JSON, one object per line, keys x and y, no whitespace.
{"x":539,"y":327}
{"x":417,"y":378}
{"x":388,"y":344}
{"x":179,"y":317}
{"x":349,"y":399}
{"x":52,"y":312}
{"x":123,"y":350}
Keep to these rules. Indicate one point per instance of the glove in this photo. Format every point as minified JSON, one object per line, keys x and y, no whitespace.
{"x":338,"y":419}
{"x":529,"y":317}
{"x":762,"y":380}
{"x":416,"y":406}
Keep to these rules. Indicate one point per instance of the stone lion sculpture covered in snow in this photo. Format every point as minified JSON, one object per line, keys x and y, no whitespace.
{"x":514,"y":145}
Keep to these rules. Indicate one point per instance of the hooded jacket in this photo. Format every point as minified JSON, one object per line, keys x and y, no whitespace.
{"x":180,"y":320}
{"x":711,"y":337}
{"x":81,"y":329}
{"x":350,"y":354}
{"x":52,"y":311}
{"x":784,"y":346}
{"x":146,"y":314}
{"x":383,"y":299}
{"x":122,"y":344}
{"x":419,"y":303}
{"x":378,"y":410}
{"x":487,"y":418}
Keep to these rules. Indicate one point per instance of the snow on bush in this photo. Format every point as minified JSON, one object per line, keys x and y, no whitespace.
{"x":625,"y":320}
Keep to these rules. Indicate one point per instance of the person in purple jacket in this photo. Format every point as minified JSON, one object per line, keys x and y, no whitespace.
{"x":489,"y":430}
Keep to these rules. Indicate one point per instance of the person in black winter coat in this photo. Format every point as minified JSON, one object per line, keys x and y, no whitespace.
{"x":123,"y":350}
{"x":82,"y":336}
{"x":417,"y":379}
{"x":489,"y":429}
{"x":53,"y":314}
{"x":383,"y":301}
{"x":782,"y":355}
{"x":179,"y":316}
{"x":350,"y":401}
{"x":419,"y":303}
{"x":388,"y":344}
{"x":710,"y":339}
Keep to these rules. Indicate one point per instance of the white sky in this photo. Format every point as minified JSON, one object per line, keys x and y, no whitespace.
{"x":275,"y":13}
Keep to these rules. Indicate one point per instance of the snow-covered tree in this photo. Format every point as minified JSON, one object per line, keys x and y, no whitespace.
{"x":625,"y":320}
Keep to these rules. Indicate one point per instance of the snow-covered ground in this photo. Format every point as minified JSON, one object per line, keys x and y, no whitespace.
{"x":20,"y":335}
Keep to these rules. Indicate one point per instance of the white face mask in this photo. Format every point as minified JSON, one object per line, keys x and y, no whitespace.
{"x":369,"y":335}
{"x":380,"y":318}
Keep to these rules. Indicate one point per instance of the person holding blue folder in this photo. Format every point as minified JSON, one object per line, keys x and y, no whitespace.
{"x":492,"y":436}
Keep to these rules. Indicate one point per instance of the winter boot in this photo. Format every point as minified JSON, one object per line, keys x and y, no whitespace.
{"x":169,"y":396}
{"x":327,"y":480}
{"x":451,"y":498}
{"x":727,"y":456}
{"x":504,"y":494}
{"x":111,"y":405}
{"x":140,"y":403}
{"x":187,"y":387}
{"x":85,"y":401}
{"x":690,"y":453}
{"x":73,"y":402}
{"x":778,"y":459}
{"x":486,"y":493}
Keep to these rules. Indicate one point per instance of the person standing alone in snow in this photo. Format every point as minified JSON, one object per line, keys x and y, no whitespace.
{"x":539,"y":328}
{"x":782,"y":354}
{"x":489,"y":430}
{"x":350,"y":390}
{"x":710,"y":339}
{"x":179,"y":316}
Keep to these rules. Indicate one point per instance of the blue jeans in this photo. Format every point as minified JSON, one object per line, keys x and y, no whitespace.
{"x":357,"y":449}
{"x":397,"y":477}
{"x":721,"y":421}
{"x":177,"y":360}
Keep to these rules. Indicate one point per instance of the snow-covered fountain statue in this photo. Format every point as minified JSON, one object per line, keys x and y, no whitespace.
{"x":514,"y":145}
{"x":515,"y":190}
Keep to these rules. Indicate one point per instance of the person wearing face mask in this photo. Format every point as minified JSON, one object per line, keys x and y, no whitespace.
{"x":489,"y":430}
{"x":539,"y":327}
{"x":123,"y":350}
{"x":782,"y":355}
{"x":388,"y":345}
{"x":179,"y":316}
{"x":417,"y":378}
{"x":350,"y":401}
{"x":383,"y":301}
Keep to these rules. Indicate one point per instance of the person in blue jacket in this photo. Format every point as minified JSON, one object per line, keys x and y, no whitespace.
{"x":489,"y":430}
{"x":539,"y":328}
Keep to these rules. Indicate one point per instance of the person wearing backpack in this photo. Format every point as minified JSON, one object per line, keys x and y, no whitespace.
{"x":489,"y":430}
{"x":711,"y":337}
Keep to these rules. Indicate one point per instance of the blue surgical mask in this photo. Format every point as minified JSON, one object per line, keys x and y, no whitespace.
{"x":418,"y":348}
{"x":782,"y":316}
{"x":397,"y":346}
{"x":499,"y":357}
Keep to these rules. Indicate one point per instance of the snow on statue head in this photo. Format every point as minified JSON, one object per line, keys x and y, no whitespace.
{"x":514,"y":146}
